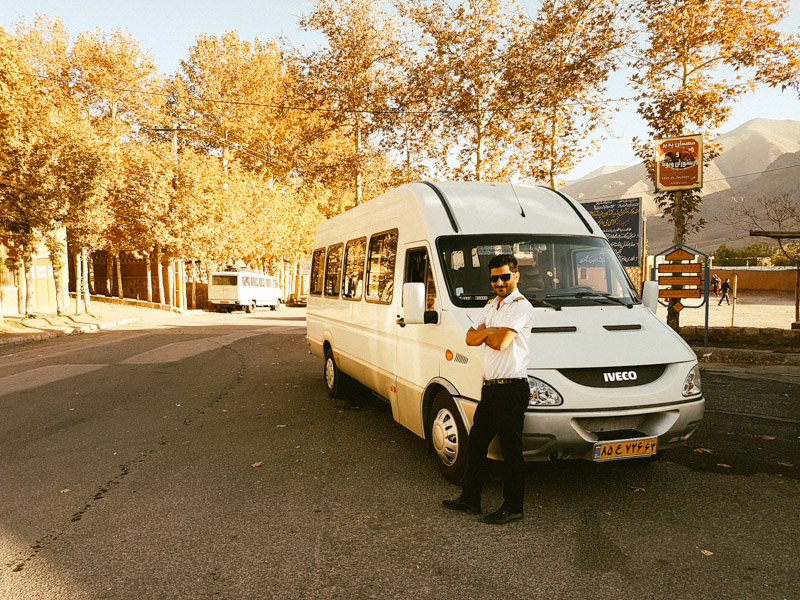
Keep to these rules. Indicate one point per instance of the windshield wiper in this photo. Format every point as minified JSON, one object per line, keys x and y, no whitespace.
{"x":592,"y":296}
{"x":538,"y":302}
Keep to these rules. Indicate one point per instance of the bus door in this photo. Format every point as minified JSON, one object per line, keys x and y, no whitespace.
{"x":418,"y":345}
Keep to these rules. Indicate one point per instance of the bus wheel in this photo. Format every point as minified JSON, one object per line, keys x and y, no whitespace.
{"x":448,"y":437}
{"x":277,"y":305}
{"x":250,"y":307}
{"x":334,"y":378}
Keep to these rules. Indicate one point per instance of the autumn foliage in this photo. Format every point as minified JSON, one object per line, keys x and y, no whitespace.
{"x":241,"y":152}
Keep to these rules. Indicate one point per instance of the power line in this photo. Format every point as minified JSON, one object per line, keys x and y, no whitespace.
{"x":653,"y":191}
{"x":281,"y":107}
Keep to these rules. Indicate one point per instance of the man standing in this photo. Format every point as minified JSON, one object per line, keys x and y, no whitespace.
{"x":503,"y":331}
{"x":726,"y":287}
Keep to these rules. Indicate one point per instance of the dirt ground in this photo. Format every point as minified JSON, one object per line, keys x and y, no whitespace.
{"x":748,"y":310}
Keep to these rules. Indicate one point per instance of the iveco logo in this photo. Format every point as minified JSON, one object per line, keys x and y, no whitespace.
{"x":620,"y":376}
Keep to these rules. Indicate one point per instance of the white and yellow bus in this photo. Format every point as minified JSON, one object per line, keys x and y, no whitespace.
{"x":397,"y":282}
{"x":229,"y":290}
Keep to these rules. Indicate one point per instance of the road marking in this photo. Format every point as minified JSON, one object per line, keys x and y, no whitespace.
{"x":43,"y":376}
{"x":181,"y":350}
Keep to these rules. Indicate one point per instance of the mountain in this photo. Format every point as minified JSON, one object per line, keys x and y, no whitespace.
{"x":760,"y":158}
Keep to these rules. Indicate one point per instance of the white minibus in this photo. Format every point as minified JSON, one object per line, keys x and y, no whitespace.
{"x":243,"y":289}
{"x":397,"y":282}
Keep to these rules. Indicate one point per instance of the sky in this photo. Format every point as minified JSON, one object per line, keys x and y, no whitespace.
{"x":168,"y":28}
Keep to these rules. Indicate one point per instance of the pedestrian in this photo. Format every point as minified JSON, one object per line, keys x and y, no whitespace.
{"x":715,"y":285}
{"x":503,"y":331}
{"x":726,"y":287}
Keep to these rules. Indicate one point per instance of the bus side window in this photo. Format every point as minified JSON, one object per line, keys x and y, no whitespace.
{"x":245,"y":280}
{"x":317,"y":272}
{"x":333,"y":267}
{"x":354,"y":255}
{"x":418,"y":270}
{"x":381,"y":263}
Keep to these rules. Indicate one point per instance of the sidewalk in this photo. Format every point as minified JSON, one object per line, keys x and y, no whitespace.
{"x":767,"y":313}
{"x":16,"y":329}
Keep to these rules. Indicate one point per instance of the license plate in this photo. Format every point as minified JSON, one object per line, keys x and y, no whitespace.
{"x":624,"y":449}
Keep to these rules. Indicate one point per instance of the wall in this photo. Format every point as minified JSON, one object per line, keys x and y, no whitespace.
{"x":759,"y":279}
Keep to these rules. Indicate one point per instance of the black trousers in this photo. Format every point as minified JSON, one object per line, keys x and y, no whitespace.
{"x":501,"y":412}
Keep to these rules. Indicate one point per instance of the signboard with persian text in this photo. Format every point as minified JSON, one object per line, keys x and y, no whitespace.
{"x":621,"y":222}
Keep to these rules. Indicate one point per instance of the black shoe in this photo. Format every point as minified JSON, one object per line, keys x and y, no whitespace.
{"x":501,"y":516}
{"x":462,"y":506}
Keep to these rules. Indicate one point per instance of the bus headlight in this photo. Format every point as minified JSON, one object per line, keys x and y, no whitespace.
{"x":692,"y":386}
{"x":542,"y":394}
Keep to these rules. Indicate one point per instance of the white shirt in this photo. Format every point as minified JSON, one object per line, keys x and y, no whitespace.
{"x":514,"y":312}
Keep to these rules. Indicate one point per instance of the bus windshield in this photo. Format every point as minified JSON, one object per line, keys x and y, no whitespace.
{"x":225,"y":279}
{"x":554,"y":270}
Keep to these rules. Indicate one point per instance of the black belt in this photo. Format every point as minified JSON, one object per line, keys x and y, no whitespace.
{"x":504,"y":381}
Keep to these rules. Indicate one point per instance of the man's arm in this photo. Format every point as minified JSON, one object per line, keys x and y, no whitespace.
{"x":497,"y":338}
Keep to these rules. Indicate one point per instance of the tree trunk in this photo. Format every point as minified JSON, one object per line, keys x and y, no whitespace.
{"x":194,"y":285}
{"x":478,"y":144}
{"x":55,"y":260}
{"x":358,"y":160}
{"x":78,"y":281}
{"x":679,"y":226}
{"x":160,"y":275}
{"x":171,"y":283}
{"x":149,"y":274}
{"x":797,"y":293}
{"x":118,"y":262}
{"x":27,"y":262}
{"x":86,"y":299}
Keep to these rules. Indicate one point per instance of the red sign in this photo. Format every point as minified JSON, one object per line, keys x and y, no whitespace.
{"x":679,"y":163}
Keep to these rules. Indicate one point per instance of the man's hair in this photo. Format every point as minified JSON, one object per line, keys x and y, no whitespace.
{"x":504,"y":259}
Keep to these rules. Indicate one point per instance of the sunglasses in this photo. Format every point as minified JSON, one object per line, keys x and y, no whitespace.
{"x":506,"y":277}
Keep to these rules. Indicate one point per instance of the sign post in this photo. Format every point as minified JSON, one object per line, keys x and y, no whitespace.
{"x":683,"y":276}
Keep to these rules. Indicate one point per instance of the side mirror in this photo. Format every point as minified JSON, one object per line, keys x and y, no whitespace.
{"x":413,"y":303}
{"x":650,"y":295}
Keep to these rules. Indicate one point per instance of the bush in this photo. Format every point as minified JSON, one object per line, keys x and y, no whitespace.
{"x":753,"y":255}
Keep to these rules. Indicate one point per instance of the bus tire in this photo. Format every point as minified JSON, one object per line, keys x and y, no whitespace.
{"x":448,"y":437}
{"x":335,"y":380}
{"x":277,"y":305}
{"x":250,"y":307}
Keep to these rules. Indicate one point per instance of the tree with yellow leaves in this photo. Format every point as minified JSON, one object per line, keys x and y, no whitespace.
{"x":350,"y":79}
{"x":695,"y":59}
{"x":461,"y":62}
{"x":557,"y":70}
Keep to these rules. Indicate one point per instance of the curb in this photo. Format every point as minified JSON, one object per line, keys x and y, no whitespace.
{"x":745,"y":356}
{"x":38,"y":336}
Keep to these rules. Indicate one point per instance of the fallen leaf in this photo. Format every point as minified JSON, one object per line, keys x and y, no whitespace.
{"x":64,"y":491}
{"x":638,"y":489}
{"x":768,"y":437}
{"x":257,"y":464}
{"x":786,"y":464}
{"x":724,"y":466}
{"x":703,"y":451}
{"x":280,"y":426}
{"x":706,"y":552}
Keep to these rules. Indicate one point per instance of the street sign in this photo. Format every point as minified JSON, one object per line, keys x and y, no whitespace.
{"x":680,"y":268}
{"x":690,"y":280}
{"x":686,"y":276}
{"x":679,"y":254}
{"x":690,"y":293}
{"x":679,"y":163}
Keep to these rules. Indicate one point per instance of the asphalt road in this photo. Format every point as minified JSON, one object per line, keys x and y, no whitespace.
{"x":206,"y":461}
